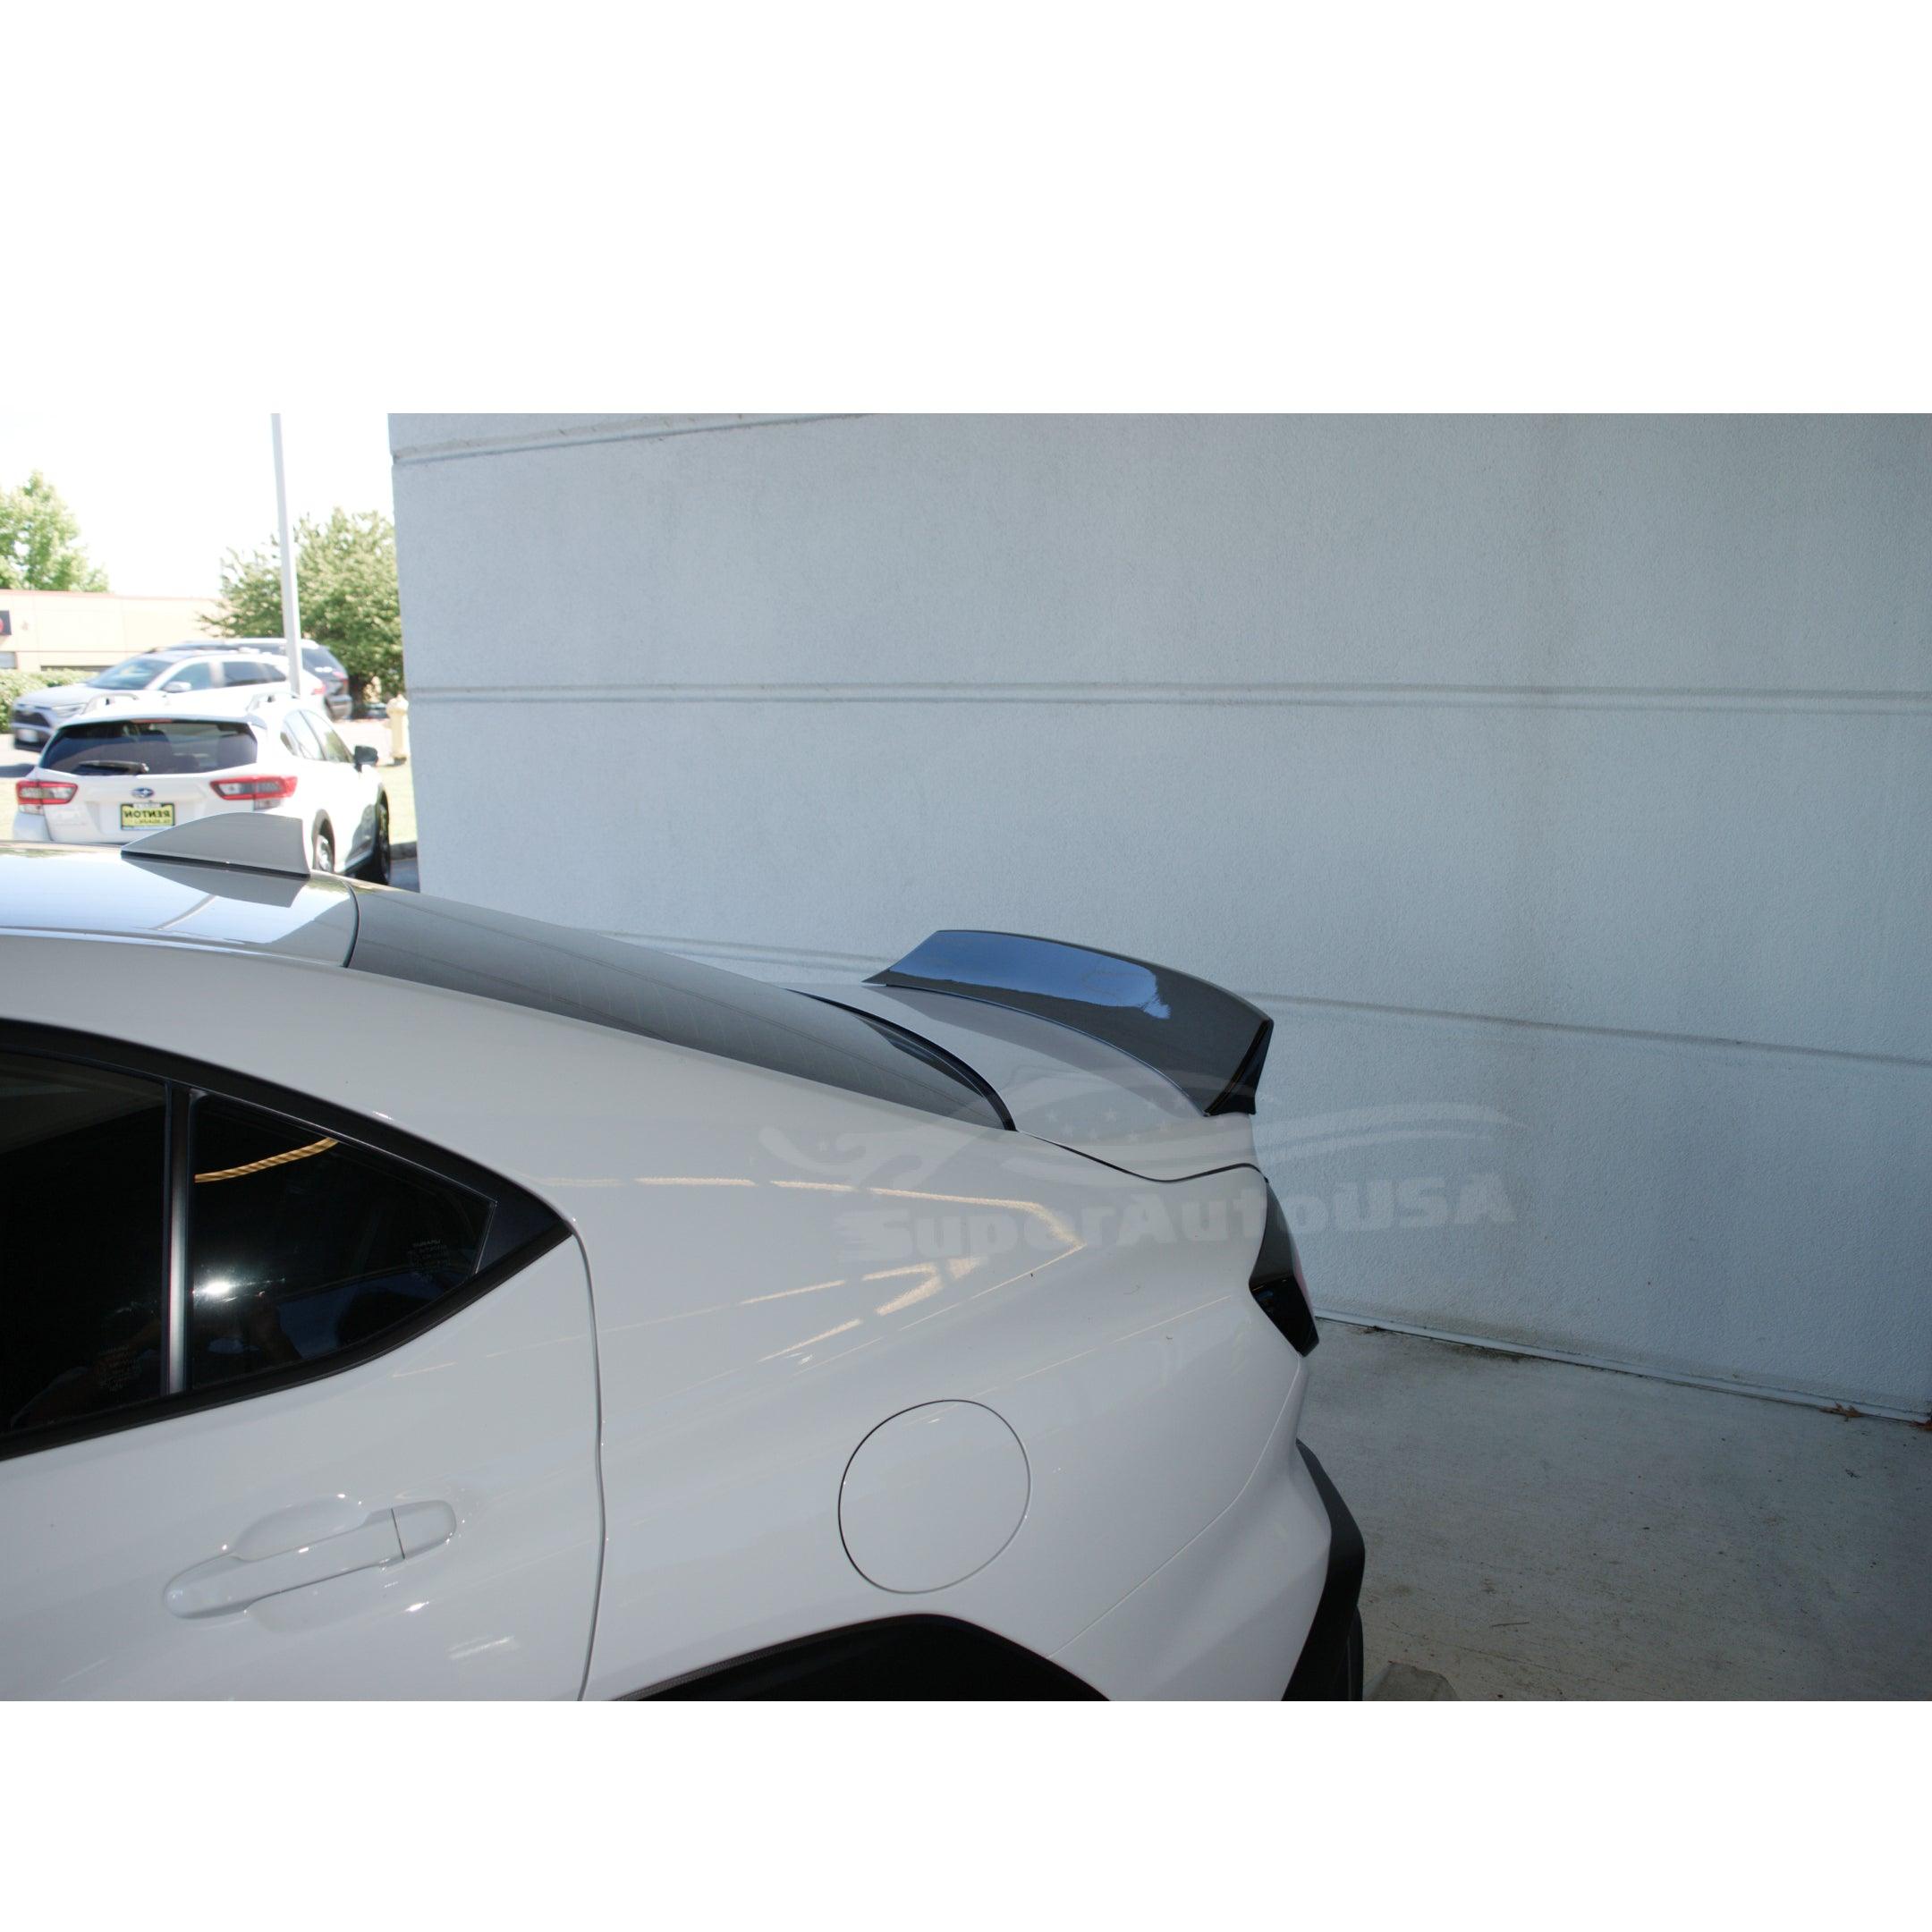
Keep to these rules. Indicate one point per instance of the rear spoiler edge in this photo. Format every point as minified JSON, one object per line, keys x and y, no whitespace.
{"x":1212,"y":1044}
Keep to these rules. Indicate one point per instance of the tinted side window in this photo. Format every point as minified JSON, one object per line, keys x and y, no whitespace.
{"x":246,"y":671}
{"x":197,"y":676}
{"x":339,"y":753}
{"x":305,"y":732}
{"x":82,"y":1268}
{"x":300,"y":1244}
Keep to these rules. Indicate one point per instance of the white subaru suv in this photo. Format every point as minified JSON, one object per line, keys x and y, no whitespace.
{"x":110,"y":779}
{"x":406,"y":1300}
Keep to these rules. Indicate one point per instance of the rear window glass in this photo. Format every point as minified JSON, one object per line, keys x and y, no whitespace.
{"x":612,"y":983}
{"x":140,"y":745}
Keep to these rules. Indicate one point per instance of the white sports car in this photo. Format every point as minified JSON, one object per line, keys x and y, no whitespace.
{"x":601,"y":1323}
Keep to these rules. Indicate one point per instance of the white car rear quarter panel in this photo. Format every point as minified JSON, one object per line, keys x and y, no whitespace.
{"x":1226,"y":1616}
{"x":788,"y":1321}
{"x":777,"y":1267}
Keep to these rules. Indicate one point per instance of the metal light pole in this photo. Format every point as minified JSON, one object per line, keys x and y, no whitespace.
{"x":291,"y":609}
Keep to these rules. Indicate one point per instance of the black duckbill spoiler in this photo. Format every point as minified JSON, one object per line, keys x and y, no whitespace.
{"x":1209,"y":1042}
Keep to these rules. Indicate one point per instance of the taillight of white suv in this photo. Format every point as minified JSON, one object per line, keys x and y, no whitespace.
{"x":264,"y":792}
{"x":35,"y":795}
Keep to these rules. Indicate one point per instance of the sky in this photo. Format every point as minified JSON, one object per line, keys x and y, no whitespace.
{"x":161,"y":493}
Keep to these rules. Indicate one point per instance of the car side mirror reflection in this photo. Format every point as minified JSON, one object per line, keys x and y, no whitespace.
{"x":175,"y":684}
{"x":365,"y":756}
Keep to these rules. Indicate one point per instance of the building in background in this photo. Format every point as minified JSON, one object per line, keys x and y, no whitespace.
{"x":56,"y":632}
{"x":1561,"y":786}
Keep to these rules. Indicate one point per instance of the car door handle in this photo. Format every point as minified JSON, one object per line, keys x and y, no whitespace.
{"x":225,"y":1584}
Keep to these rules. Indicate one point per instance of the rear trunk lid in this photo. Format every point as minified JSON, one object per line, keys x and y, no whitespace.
{"x":1063,"y":1085}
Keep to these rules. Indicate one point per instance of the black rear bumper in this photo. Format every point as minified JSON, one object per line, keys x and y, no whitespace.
{"x":1331,"y":1664}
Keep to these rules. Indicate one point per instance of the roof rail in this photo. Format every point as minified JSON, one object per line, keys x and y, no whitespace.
{"x":251,"y":841}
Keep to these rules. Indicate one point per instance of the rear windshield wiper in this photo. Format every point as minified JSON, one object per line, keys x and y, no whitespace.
{"x":109,"y":765}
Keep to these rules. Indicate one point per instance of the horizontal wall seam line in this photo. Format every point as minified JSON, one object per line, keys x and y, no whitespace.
{"x":1912,"y":1062}
{"x":871,"y":962}
{"x":552,"y":439}
{"x":1448,"y":696}
{"x":1761,"y":1391}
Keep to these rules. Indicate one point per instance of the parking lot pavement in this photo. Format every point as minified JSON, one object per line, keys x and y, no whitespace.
{"x":1537,"y":1529}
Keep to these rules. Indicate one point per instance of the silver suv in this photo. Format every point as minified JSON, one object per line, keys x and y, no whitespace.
{"x":318,"y":659}
{"x":236,"y":676}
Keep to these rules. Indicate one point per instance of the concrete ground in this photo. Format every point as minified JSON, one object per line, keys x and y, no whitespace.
{"x":1540,"y":1530}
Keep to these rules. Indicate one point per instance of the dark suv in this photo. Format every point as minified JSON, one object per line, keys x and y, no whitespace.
{"x":328,"y":666}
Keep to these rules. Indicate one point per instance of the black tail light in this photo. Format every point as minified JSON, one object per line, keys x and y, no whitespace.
{"x":1276,"y":1284}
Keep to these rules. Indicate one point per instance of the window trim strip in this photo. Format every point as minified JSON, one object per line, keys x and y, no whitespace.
{"x":180,"y":1194}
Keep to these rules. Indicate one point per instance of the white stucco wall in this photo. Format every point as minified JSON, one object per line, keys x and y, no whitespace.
{"x":1561,"y":786}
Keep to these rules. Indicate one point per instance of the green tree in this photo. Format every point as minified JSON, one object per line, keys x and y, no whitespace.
{"x":345,"y":583}
{"x":38,"y":550}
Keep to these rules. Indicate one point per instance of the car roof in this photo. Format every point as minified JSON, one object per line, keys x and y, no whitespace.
{"x":259,"y":904}
{"x":174,"y":712}
{"x":107,"y":891}
{"x":223,"y":644}
{"x":164,"y":654}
